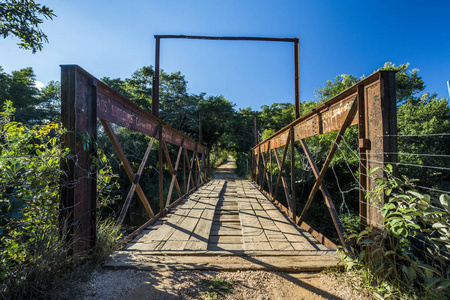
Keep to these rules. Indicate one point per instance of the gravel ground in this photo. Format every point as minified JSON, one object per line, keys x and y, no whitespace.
{"x":131,"y":284}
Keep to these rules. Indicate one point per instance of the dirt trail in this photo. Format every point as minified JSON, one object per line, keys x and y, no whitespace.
{"x":255,"y":285}
{"x":227,"y":170}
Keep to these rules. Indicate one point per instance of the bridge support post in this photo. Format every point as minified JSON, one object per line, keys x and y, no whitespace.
{"x":78,"y":192}
{"x":377,"y":120}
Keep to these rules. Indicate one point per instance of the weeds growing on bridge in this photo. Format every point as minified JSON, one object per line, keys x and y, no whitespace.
{"x":408,"y":256}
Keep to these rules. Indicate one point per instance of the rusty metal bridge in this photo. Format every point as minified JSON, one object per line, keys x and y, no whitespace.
{"x":225,"y":223}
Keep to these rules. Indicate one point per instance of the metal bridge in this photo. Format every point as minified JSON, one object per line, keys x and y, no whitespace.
{"x":225,"y":223}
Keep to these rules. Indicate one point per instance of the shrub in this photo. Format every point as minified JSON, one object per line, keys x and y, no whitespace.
{"x":410,"y":256}
{"x":33,"y":250}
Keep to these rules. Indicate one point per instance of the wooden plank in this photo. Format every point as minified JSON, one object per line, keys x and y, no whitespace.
{"x":233,"y":263}
{"x":231,"y":239}
{"x":188,"y":224}
{"x":252,"y":232}
{"x":200,"y":235}
{"x":167,"y":229}
{"x":275,"y":237}
{"x":226,"y":246}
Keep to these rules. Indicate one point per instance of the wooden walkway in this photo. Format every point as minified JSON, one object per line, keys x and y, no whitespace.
{"x":226,"y":225}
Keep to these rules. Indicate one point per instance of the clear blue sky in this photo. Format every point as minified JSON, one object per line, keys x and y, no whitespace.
{"x":115,"y":38}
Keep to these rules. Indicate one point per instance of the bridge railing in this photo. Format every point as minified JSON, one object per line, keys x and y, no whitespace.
{"x":84,"y":100}
{"x":370,"y":104}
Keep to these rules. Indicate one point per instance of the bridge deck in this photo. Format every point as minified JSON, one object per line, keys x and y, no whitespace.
{"x":226,"y":224}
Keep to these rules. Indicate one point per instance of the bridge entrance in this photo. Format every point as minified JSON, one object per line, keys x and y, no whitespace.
{"x":212,"y":211}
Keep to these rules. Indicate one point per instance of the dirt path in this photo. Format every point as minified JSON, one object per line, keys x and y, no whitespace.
{"x":227,"y":170}
{"x":132,"y":284}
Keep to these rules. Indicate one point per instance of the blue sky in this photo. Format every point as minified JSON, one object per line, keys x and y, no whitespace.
{"x":115,"y":38}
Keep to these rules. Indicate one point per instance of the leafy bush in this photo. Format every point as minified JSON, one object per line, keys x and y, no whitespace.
{"x":33,"y":252}
{"x":410,"y":256}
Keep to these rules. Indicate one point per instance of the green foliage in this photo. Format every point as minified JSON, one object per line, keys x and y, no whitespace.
{"x":410,"y":255}
{"x":22,"y":19}
{"x":408,"y":82}
{"x":108,"y":234}
{"x":33,"y":106}
{"x":216,"y":288}
{"x":419,"y":120}
{"x":275,"y":117}
{"x":333,"y":88}
{"x":33,"y":249}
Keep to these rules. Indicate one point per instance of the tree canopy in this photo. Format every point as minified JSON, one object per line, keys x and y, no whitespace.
{"x":22,"y":19}
{"x":33,"y":106}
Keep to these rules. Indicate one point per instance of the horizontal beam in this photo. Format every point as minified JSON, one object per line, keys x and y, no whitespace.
{"x":326,"y":117}
{"x":115,"y":108}
{"x":227,"y":38}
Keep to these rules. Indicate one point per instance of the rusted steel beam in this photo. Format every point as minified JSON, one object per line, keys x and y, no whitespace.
{"x":260,"y":174}
{"x":252,"y":162}
{"x":257,"y":166}
{"x":136,"y":179}
{"x":271,"y":177}
{"x":264,"y":165}
{"x":78,"y":194}
{"x":227,"y":38}
{"x":381,"y":130}
{"x":318,"y":183}
{"x":155,"y":85}
{"x":283,"y":179}
{"x":200,"y":130}
{"x":117,"y":109}
{"x":184,"y":173}
{"x":329,"y":202}
{"x":173,"y":172}
{"x":297,"y":80}
{"x":364,"y":145}
{"x":199,"y":168}
{"x":255,"y":131}
{"x":126,"y":164}
{"x":191,"y":168}
{"x":293,"y":200}
{"x":160,"y":173}
{"x":326,"y":117}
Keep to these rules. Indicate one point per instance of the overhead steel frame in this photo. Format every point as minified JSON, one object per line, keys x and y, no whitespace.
{"x":155,"y":95}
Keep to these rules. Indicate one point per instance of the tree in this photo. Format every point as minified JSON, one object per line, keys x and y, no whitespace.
{"x":408,"y":82}
{"x":49,"y":100}
{"x":21,"y":19}
{"x":333,"y":88}
{"x":33,"y":106}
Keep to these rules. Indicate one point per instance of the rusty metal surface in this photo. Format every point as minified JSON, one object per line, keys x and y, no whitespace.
{"x":327,"y":117}
{"x":227,"y":38}
{"x":78,"y":196}
{"x":117,"y":109}
{"x":374,"y":100}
